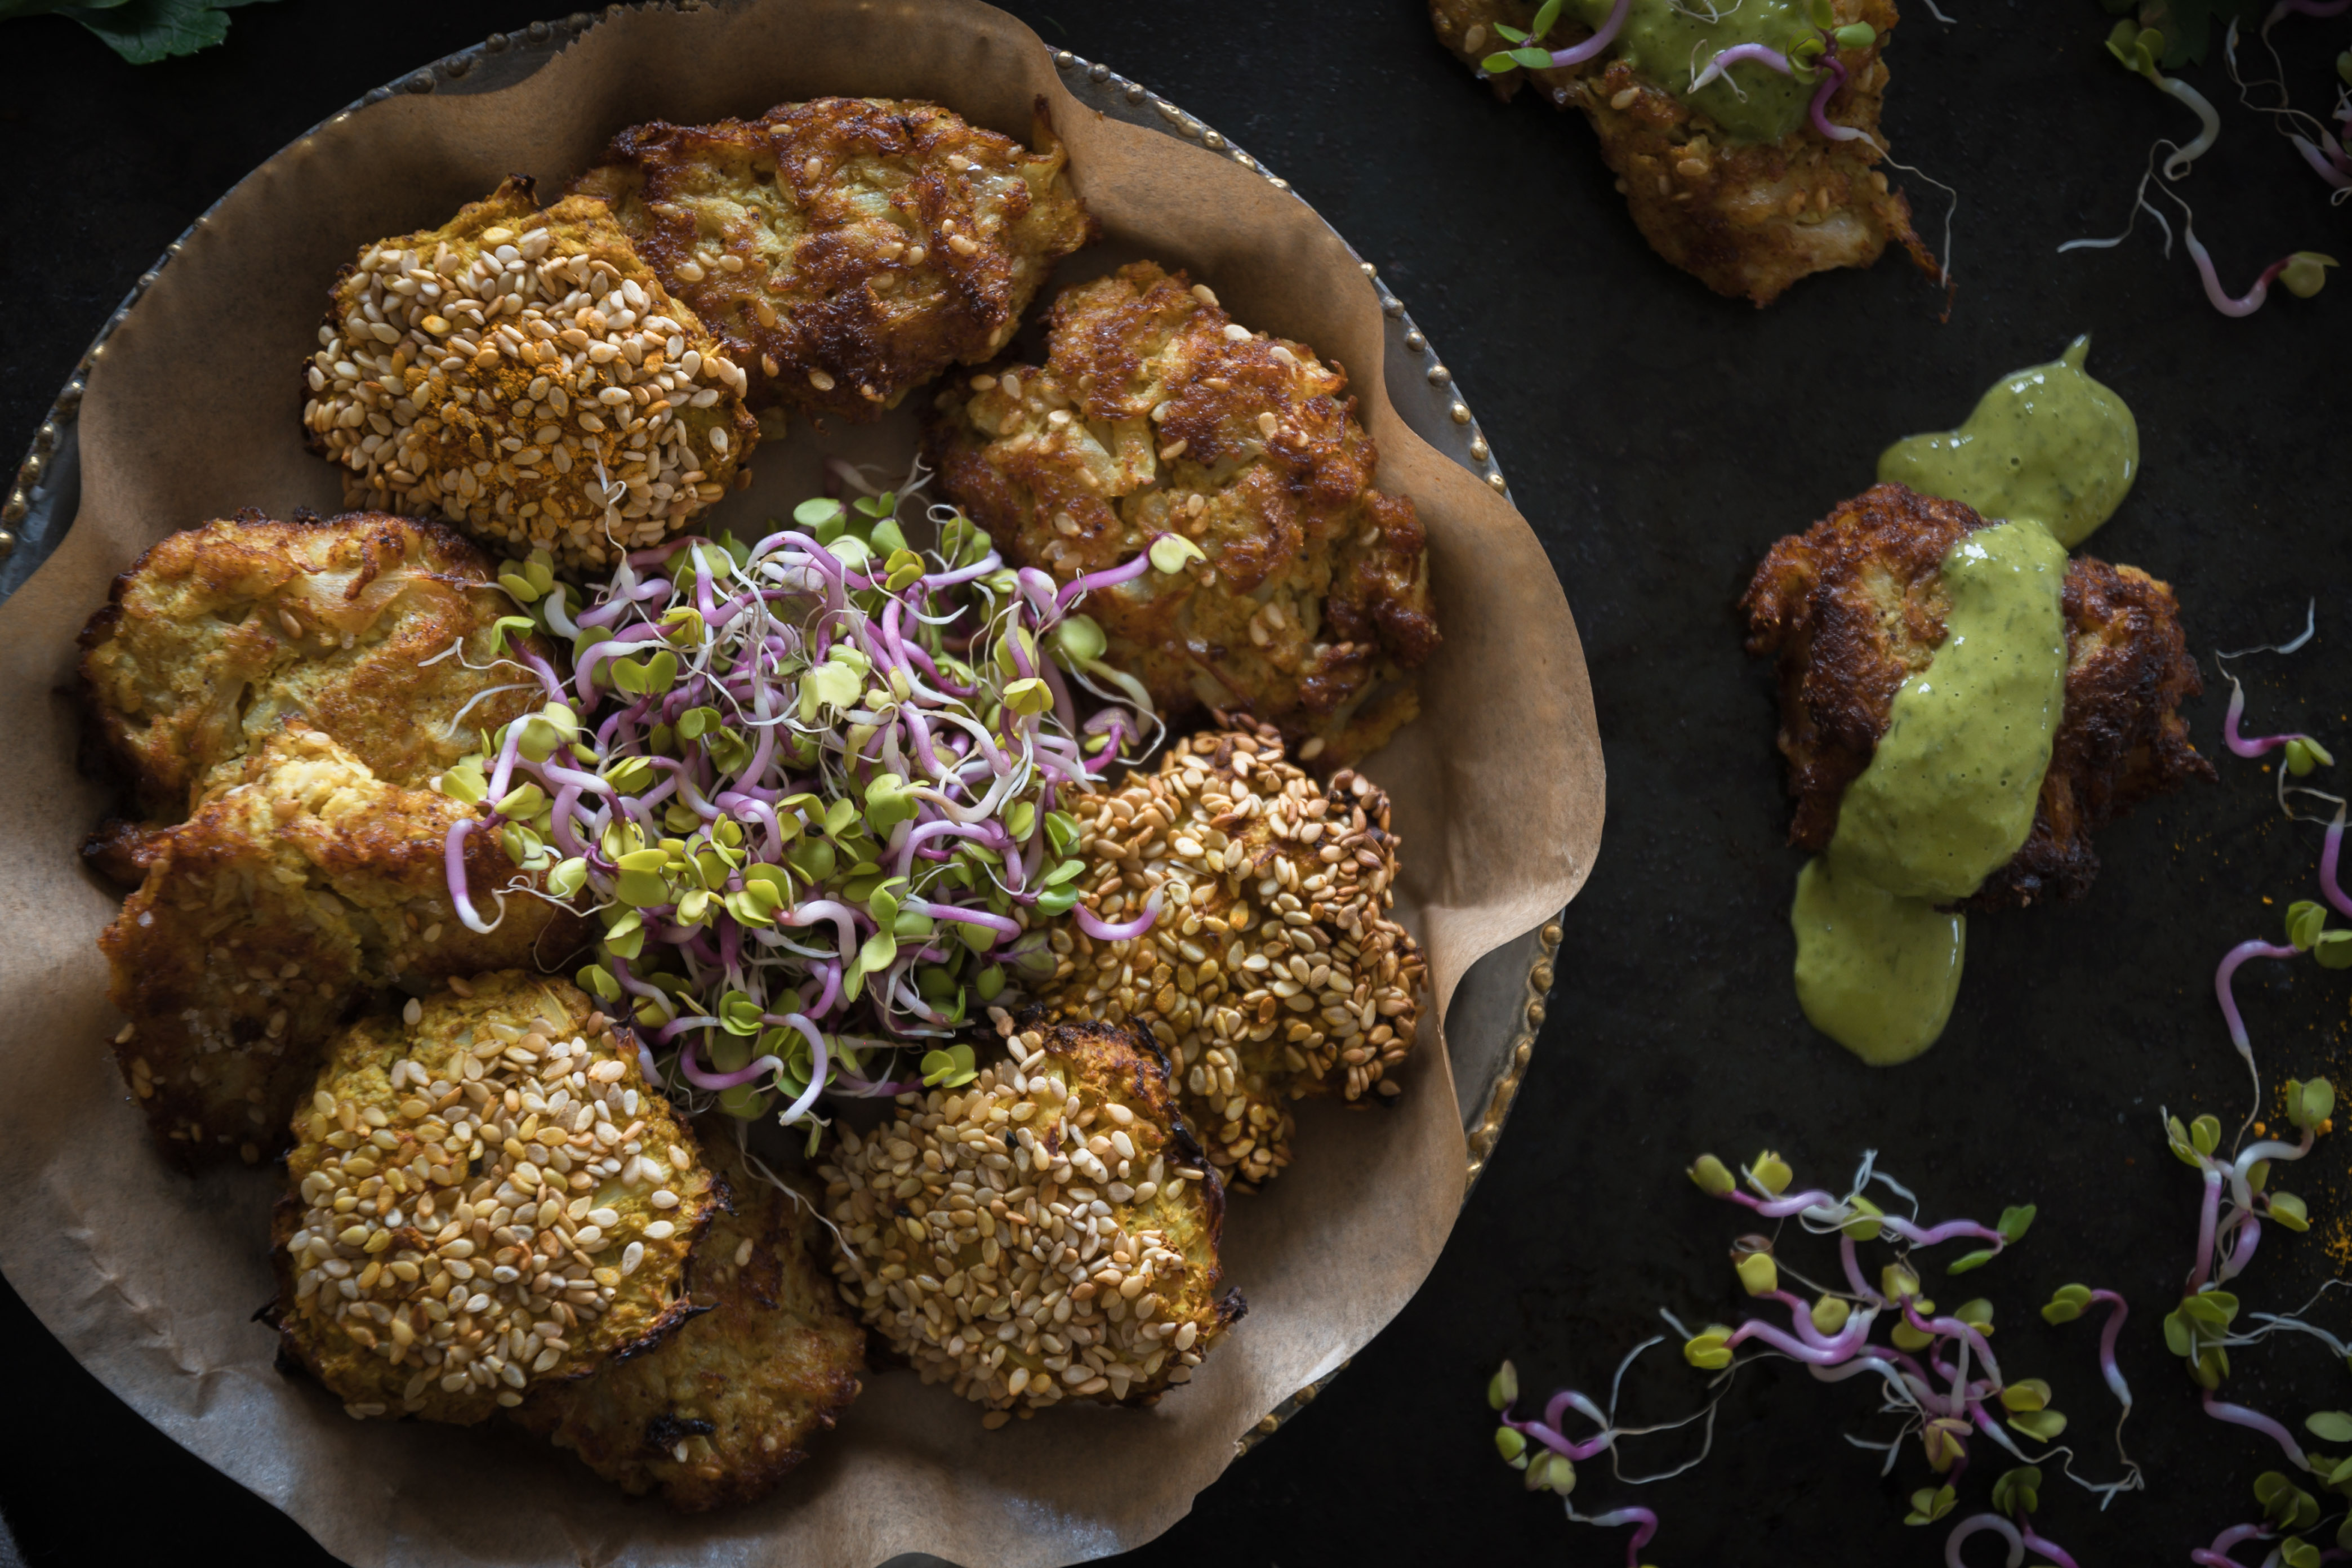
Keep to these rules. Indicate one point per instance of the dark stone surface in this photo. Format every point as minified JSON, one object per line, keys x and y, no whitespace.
{"x":1658,"y":438}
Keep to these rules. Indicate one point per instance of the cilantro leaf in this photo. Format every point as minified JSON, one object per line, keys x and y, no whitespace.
{"x":141,"y":31}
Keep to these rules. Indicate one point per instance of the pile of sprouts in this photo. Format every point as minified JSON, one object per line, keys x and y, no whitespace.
{"x":809,"y":786}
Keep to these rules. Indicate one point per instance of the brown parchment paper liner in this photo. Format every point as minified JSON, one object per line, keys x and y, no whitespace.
{"x":152,"y":1279}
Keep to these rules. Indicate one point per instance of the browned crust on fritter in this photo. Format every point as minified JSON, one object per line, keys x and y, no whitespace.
{"x":197,"y":647}
{"x":1125,"y":1054}
{"x":1746,"y":219}
{"x":825,"y":286}
{"x":1152,"y":417}
{"x":296,"y":886}
{"x":1855,"y":605}
{"x":768,"y":1364}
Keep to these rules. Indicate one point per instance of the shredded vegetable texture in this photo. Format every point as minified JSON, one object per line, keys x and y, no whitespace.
{"x":1937,"y":1371}
{"x":808,"y":785}
{"x":2238,"y":1201}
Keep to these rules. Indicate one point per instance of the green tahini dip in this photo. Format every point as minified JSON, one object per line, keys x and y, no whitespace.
{"x":1948,"y":798}
{"x":1670,"y":45}
{"x":2048,"y":443}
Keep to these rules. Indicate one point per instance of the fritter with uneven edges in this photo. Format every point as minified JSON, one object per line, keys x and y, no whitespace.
{"x":1158,"y":414}
{"x":1274,"y":972}
{"x":721,"y":1411}
{"x":848,"y":248}
{"x":1855,"y":605}
{"x":1745,"y":218}
{"x":486,"y":1193}
{"x":300,"y":880}
{"x":525,"y":375}
{"x":1046,"y":1232}
{"x":218,"y":634}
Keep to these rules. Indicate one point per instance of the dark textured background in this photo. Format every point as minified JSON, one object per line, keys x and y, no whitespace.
{"x":1658,"y":438}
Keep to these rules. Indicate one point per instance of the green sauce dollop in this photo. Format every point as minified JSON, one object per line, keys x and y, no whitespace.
{"x":1671,"y":45}
{"x":1948,"y":798}
{"x":2048,"y":443}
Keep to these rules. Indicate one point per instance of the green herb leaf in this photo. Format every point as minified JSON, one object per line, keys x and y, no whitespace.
{"x":2015,"y":1222}
{"x":1966,"y":1261}
{"x":1533,"y":59}
{"x":1547,"y":15}
{"x":2329,"y":1425}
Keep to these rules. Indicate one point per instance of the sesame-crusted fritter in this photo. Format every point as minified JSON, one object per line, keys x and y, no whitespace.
{"x":1273,"y":972}
{"x":485,"y":1192}
{"x":721,"y":1412}
{"x":1855,"y":605}
{"x":1745,"y":218}
{"x":1156,"y":414}
{"x":525,"y":375}
{"x":849,"y":248}
{"x":218,"y":634}
{"x":1046,"y":1232}
{"x":299,"y":881}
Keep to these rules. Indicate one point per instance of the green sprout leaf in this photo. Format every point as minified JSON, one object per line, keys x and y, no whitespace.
{"x":1929,"y":1506}
{"x":1759,"y":1274}
{"x":1503,"y":1388}
{"x":1547,"y":18}
{"x":1512,"y":1447}
{"x":2067,"y":1304}
{"x":1969,"y":1260}
{"x":2026,"y":1397}
{"x":1856,"y":35}
{"x":2041,"y":1426}
{"x":1497,"y":65}
{"x":2019,"y":1490}
{"x":2304,"y":921}
{"x":2304,"y":275}
{"x":1171,"y":552}
{"x":2329,"y":1425}
{"x":2205,"y":1132}
{"x":1710,"y":1349}
{"x":2015,"y":1222}
{"x":2289,"y":1211}
{"x":1770,"y":1174}
{"x":1830,"y":1313}
{"x":2333,"y":950}
{"x":2285,"y":1505}
{"x":1533,"y":59}
{"x":1711,"y":1176}
{"x":2308,"y":1104}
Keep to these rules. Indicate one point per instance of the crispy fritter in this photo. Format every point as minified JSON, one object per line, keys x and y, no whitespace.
{"x":1058,"y":1195}
{"x":1855,"y":605}
{"x":485,"y":1196}
{"x":299,"y":881}
{"x":721,"y":1411}
{"x":848,"y":248}
{"x":1156,"y":415}
{"x":218,"y":634}
{"x":525,"y":375}
{"x":1255,"y":1009}
{"x":1745,"y":218}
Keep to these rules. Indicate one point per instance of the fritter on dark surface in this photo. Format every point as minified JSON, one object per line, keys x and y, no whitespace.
{"x":300,"y":880}
{"x":1746,"y":218}
{"x":1059,"y":1196}
{"x":218,"y":634}
{"x":487,"y":1195}
{"x":848,"y":248}
{"x":1255,"y":1008}
{"x":1158,"y":414}
{"x":722,"y":1410}
{"x":1855,"y":605}
{"x":524,"y":374}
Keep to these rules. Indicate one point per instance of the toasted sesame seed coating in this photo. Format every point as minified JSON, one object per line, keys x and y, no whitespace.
{"x":1156,"y":413}
{"x":1273,"y":972}
{"x":1046,"y":1232}
{"x":846,"y":250}
{"x":721,"y":1412}
{"x":217,"y":634}
{"x":524,"y":374}
{"x":487,"y":1196}
{"x":299,"y":880}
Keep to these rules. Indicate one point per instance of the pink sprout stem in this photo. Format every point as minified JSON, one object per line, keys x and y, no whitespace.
{"x":2242,"y":744}
{"x":2036,"y":1542}
{"x":1978,"y":1524}
{"x":1095,"y":926}
{"x":2245,"y":305}
{"x":1645,"y":1523}
{"x":2108,"y":1337}
{"x":1834,"y":80}
{"x":2218,"y":1554}
{"x":1770,"y":59}
{"x":2255,"y":1420}
{"x":2331,"y":855}
{"x":1606,"y":35}
{"x":702,"y":1077}
{"x":453,"y":861}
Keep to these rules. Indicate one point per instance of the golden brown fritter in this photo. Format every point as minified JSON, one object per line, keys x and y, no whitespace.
{"x":487,"y":1196}
{"x":848,"y":248}
{"x":1059,"y":1196}
{"x":1255,"y":1009}
{"x":299,"y":881}
{"x":1156,"y":415}
{"x":721,"y":1412}
{"x":1745,"y":218}
{"x":1855,"y":605}
{"x":219,"y":634}
{"x":525,"y":375}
